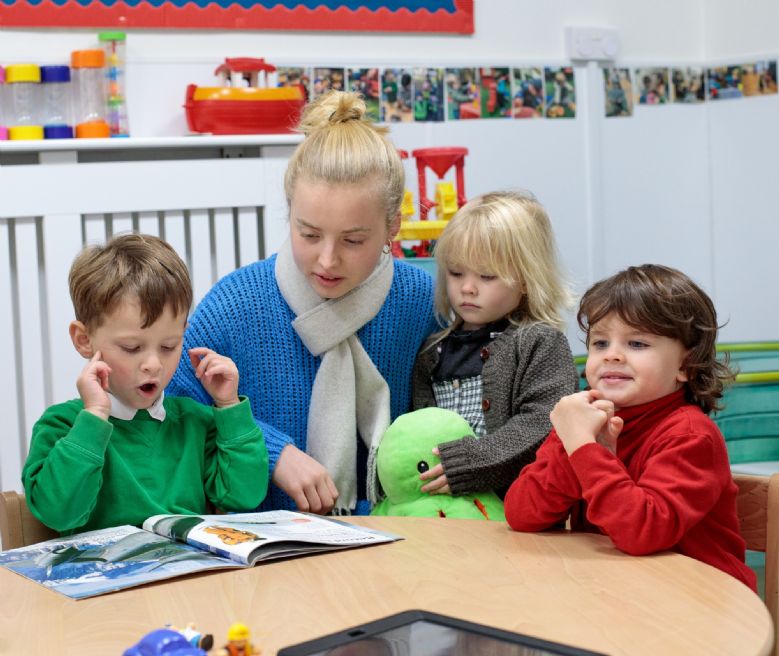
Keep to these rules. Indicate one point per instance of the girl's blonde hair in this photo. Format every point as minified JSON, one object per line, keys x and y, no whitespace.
{"x":507,"y":234}
{"x":343,"y":147}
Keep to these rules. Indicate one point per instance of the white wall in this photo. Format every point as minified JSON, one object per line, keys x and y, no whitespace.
{"x":739,"y":30}
{"x":744,"y":146}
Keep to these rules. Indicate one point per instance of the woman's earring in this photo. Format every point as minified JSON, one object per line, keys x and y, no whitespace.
{"x":387,"y":249}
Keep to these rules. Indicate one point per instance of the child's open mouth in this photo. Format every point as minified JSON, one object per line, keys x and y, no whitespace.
{"x":148,"y":388}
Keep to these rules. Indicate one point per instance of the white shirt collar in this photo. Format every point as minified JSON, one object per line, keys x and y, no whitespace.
{"x":121,"y":411}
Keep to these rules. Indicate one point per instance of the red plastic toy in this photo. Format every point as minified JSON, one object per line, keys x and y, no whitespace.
{"x":440,"y":160}
{"x":236,"y":109}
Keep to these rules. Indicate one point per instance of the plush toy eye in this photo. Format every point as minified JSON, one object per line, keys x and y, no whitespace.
{"x":422,"y":466}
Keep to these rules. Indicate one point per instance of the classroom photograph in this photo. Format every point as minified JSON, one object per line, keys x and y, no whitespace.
{"x":389,"y":328}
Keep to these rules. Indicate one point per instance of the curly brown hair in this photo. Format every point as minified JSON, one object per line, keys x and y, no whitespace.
{"x":664,"y":301}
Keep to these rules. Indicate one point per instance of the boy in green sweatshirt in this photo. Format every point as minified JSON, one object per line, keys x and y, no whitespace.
{"x":125,"y":451}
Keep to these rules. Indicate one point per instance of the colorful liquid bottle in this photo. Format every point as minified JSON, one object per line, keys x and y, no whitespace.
{"x":56,"y":107}
{"x":113,"y":44}
{"x":3,"y":105}
{"x":23,"y":82}
{"x":88,"y":72}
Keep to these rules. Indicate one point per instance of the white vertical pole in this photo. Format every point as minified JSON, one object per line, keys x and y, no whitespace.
{"x":590,"y":91}
{"x":43,"y":299}
{"x":17,"y":328}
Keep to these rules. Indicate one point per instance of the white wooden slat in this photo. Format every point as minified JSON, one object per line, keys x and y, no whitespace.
{"x":9,"y":402}
{"x":62,"y":236}
{"x":43,"y":309}
{"x":200,"y":271}
{"x":246,"y":219}
{"x":135,"y":186}
{"x":148,"y":223}
{"x":174,"y":231}
{"x":225,"y":251}
{"x":95,"y":229}
{"x":32,"y":363}
{"x":122,"y":222}
{"x":275,"y":202}
{"x":211,"y":217}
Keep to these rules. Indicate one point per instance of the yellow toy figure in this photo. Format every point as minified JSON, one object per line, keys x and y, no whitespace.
{"x":445,"y":201}
{"x":238,"y":643}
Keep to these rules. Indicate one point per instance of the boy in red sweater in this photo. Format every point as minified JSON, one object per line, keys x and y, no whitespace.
{"x":636,"y":456}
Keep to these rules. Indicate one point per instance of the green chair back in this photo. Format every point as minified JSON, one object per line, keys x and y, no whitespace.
{"x":750,"y":418}
{"x":750,"y":357}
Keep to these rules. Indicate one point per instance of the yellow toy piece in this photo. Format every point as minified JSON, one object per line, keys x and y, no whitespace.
{"x":238,"y":643}
{"x":238,"y":631}
{"x":445,"y":201}
{"x":407,"y":206}
{"x":420,"y":230}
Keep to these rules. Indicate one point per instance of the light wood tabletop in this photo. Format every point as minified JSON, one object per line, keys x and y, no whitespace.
{"x":571,"y":588}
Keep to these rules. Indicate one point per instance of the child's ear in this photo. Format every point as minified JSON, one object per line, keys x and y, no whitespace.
{"x":681,"y":375}
{"x":81,"y":339}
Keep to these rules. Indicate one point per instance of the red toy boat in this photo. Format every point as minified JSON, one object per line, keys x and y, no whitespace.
{"x":236,"y":109}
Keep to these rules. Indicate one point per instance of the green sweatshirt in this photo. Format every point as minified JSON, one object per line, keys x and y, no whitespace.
{"x":84,"y":473}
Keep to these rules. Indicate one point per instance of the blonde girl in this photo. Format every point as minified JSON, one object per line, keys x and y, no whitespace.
{"x":502,"y":362}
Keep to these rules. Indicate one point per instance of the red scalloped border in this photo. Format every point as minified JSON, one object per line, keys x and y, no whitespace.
{"x":48,"y":14}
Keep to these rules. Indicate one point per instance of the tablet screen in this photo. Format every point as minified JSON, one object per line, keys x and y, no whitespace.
{"x":417,"y":633}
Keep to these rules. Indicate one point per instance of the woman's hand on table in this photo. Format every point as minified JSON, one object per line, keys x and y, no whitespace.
{"x":305,"y":480}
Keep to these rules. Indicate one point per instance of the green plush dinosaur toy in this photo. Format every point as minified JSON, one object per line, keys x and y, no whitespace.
{"x":406,"y":450}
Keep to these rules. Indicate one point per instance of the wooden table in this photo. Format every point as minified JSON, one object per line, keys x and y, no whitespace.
{"x":572,"y":588}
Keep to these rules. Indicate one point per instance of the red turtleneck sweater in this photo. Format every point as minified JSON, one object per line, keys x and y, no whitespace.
{"x":668,"y":488}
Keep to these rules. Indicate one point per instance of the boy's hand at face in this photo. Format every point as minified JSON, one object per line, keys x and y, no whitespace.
{"x":218,"y":375}
{"x":583,"y":418}
{"x":92,"y":385}
{"x":613,"y":427}
{"x":438,"y":484}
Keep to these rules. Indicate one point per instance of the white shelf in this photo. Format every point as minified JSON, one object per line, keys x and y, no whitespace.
{"x":193,"y":141}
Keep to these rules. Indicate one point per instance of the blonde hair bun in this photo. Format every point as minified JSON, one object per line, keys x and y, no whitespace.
{"x":332,"y":108}
{"x":343,"y":146}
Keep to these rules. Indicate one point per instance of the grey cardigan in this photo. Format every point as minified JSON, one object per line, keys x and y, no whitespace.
{"x":527,"y":369}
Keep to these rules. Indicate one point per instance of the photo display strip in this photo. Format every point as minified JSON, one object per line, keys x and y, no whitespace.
{"x":406,"y":94}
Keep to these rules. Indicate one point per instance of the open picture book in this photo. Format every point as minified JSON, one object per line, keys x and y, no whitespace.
{"x":110,"y":559}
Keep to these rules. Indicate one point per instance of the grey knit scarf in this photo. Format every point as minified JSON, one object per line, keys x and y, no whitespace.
{"x":349,"y":396}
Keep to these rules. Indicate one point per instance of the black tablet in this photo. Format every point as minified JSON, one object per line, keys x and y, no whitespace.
{"x":418,"y":633}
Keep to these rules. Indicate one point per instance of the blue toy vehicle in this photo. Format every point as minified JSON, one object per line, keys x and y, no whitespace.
{"x":164,"y":642}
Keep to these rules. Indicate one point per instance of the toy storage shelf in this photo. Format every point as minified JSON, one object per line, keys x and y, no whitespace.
{"x":218,"y":200}
{"x":134,"y":143}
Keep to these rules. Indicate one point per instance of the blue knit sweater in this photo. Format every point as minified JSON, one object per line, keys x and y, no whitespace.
{"x":245,"y":318}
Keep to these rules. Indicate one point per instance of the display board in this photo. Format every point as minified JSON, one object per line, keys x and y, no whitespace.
{"x":453,"y":16}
